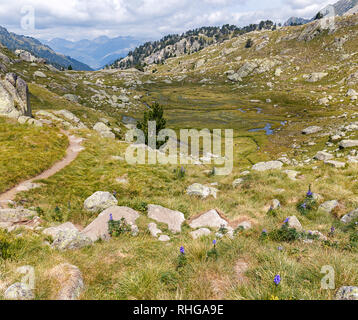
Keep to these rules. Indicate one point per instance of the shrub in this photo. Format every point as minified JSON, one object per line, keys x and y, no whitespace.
{"x":9,"y":246}
{"x":117,"y":228}
{"x":249,"y":43}
{"x":57,"y":216}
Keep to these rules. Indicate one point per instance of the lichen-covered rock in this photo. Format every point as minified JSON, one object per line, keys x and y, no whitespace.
{"x":154,"y":230}
{"x":104,"y":130}
{"x":100,"y":200}
{"x":270,"y":165}
{"x":14,"y":97}
{"x":53,"y":231}
{"x":347,"y":293}
{"x":70,"y":240}
{"x":311,"y":130}
{"x":174,"y":219}
{"x":323,"y":156}
{"x":19,"y":291}
{"x":329,"y":206}
{"x":69,"y":280}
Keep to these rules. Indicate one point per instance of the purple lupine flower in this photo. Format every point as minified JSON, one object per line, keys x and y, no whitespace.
{"x":182,"y":250}
{"x":214,"y":242}
{"x":287,"y":220}
{"x":277,"y":279}
{"x":111,"y":217}
{"x":304,"y":206}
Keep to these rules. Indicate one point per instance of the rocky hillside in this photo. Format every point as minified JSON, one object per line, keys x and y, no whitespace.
{"x":101,"y":228}
{"x":17,"y":42}
{"x":187,"y":43}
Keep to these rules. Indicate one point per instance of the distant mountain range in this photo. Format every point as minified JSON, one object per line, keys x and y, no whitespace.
{"x":341,"y":8}
{"x":34,"y":46}
{"x":96,"y":53}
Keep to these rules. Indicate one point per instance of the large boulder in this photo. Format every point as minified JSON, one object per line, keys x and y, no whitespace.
{"x":100,"y":200}
{"x":53,"y":231}
{"x":210,"y":219}
{"x":311,"y":130}
{"x":270,"y":165}
{"x":348,"y":144}
{"x":69,"y":281}
{"x":98,"y":229}
{"x":70,"y":240}
{"x":174,"y":219}
{"x":323,"y":156}
{"x":104,"y":130}
{"x":14,"y":97}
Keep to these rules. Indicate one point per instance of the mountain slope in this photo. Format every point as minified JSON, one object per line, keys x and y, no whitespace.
{"x":96,"y":53}
{"x":187,"y":43}
{"x":14,"y":41}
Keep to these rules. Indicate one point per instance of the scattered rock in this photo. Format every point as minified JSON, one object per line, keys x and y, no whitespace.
{"x":70,"y":240}
{"x":100,"y":201}
{"x":270,"y":165}
{"x":348,"y":218}
{"x":348,"y":144}
{"x":153,"y":229}
{"x":72,"y":98}
{"x":164,"y":238}
{"x":329,"y":206}
{"x":104,"y":130}
{"x":174,"y":219}
{"x":98,"y":229}
{"x":291,"y":174}
{"x":294,"y":223}
{"x":200,"y":190}
{"x":39,"y":74}
{"x":237,"y":182}
{"x":323,"y":156}
{"x":211,"y":219}
{"x":335,"y":164}
{"x":311,"y":130}
{"x":53,"y":231}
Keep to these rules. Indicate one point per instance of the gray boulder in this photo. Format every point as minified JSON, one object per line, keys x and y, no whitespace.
{"x":174,"y":219}
{"x":14,"y":97}
{"x":153,"y":229}
{"x":210,"y":219}
{"x":71,"y":97}
{"x":294,"y":223}
{"x":329,"y":206}
{"x":70,"y":240}
{"x":100,"y":200}
{"x":270,"y":165}
{"x":348,"y":144}
{"x":348,"y":218}
{"x":323,"y":156}
{"x":199,"y":190}
{"x":104,"y":130}
{"x":311,"y":130}
{"x":98,"y":229}
{"x":53,"y":231}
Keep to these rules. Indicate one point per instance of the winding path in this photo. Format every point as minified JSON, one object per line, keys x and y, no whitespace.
{"x":72,"y":152}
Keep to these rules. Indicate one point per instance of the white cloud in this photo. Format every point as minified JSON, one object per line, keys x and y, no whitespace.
{"x":77,"y":19}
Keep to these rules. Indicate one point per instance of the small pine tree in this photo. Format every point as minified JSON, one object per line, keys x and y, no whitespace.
{"x":156,"y":113}
{"x":319,"y":16}
{"x":69,"y":67}
{"x":249,"y":43}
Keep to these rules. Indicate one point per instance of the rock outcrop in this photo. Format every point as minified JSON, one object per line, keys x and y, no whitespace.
{"x":14,"y":97}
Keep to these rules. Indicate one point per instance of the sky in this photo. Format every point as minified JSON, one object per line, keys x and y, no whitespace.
{"x":142,"y":19}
